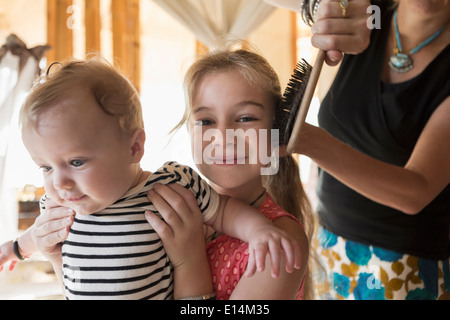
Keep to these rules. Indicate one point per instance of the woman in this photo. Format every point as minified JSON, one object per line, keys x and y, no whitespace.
{"x":384,"y":153}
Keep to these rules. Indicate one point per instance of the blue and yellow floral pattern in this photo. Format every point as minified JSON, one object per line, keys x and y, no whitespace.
{"x":361,"y":272}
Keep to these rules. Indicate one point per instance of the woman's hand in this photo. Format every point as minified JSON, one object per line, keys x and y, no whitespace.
{"x":331,"y":31}
{"x":181,"y":226}
{"x":182,"y":235}
{"x":336,"y":34}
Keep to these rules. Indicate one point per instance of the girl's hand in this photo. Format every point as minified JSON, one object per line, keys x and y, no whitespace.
{"x":181,"y":226}
{"x":336,"y":34}
{"x":51,"y":228}
{"x":181,"y":232}
{"x":7,"y":255}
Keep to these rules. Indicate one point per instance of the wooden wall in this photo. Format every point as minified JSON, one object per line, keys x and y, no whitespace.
{"x":125,"y":30}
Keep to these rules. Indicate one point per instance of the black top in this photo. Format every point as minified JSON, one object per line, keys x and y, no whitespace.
{"x":383,"y":121}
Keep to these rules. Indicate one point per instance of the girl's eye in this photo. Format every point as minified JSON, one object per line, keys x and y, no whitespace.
{"x":246,"y":119}
{"x":77,"y":163}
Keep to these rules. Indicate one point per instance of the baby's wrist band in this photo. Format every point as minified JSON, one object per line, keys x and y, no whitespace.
{"x":16,"y":249}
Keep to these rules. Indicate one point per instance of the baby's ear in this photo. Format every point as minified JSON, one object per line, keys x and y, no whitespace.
{"x":137,"y":145}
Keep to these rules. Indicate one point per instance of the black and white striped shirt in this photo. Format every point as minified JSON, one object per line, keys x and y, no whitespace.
{"x":115,"y":254}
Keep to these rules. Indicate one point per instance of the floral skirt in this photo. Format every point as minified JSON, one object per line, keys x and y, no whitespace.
{"x":355,"y":271}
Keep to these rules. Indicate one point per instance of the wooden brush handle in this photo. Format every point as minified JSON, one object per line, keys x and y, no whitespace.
{"x":306,"y":101}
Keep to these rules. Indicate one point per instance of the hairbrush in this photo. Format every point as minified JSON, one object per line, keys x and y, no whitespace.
{"x":297,"y":99}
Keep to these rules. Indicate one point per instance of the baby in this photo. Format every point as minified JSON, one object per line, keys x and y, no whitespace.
{"x":83,"y":127}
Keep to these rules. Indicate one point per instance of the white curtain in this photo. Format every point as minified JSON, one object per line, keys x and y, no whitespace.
{"x":18,"y":68}
{"x":216,"y":21}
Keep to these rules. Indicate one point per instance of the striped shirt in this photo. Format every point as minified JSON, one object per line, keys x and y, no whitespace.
{"x":115,"y":254}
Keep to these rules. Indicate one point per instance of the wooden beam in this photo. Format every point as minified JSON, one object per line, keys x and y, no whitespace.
{"x":93,"y":26}
{"x":294,"y":38}
{"x":59,"y":30}
{"x":126,"y":38}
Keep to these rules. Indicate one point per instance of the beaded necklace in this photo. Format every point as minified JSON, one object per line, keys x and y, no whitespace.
{"x":402,"y":62}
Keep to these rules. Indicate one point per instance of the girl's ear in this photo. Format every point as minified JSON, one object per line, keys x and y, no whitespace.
{"x":137,"y":145}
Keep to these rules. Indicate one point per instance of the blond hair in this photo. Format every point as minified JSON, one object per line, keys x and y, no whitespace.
{"x":285,"y":187}
{"x":113,"y":92}
{"x":254,"y":68}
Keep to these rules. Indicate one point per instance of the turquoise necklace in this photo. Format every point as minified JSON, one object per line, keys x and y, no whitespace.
{"x":400,"y":61}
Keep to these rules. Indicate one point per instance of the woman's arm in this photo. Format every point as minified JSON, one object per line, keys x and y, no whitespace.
{"x":409,"y":188}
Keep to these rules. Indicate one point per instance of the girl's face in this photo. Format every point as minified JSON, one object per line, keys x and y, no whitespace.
{"x":225,"y":106}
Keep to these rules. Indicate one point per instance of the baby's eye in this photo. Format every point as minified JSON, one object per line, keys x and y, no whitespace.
{"x":203,"y":122}
{"x":45,"y":169}
{"x":77,"y":163}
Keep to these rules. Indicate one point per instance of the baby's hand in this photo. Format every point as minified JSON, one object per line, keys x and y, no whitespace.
{"x":271,"y":240}
{"x":7,"y":254}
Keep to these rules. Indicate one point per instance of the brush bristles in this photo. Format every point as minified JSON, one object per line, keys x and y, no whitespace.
{"x":292,"y":98}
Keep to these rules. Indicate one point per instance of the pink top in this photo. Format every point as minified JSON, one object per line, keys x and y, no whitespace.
{"x":228,"y":256}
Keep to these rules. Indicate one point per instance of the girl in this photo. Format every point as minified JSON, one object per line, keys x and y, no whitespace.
{"x":239,"y":90}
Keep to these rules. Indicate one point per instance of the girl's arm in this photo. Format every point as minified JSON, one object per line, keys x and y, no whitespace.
{"x":182,"y":236}
{"x":409,"y":188}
